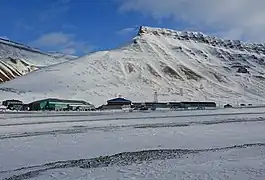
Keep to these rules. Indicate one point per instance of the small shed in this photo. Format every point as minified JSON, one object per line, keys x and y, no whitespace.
{"x":119,"y":101}
{"x":12,"y":102}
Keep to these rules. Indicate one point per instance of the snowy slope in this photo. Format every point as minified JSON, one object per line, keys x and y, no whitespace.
{"x":17,"y":59}
{"x":159,"y":60}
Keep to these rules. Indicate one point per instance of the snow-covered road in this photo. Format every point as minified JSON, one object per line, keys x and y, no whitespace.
{"x":32,"y":139}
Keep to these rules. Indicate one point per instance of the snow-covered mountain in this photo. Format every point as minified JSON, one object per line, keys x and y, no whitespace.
{"x":17,"y":59}
{"x":177,"y":65}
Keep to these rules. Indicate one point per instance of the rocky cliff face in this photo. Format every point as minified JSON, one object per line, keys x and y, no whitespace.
{"x":202,"y":38}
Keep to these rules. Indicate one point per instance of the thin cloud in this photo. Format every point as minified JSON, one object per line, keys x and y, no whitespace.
{"x":126,"y":31}
{"x":69,"y":51}
{"x":226,"y":16}
{"x":62,"y":42}
{"x":53,"y":39}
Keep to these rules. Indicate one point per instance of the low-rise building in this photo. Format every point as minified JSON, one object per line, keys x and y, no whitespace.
{"x":149,"y":105}
{"x":119,"y":101}
{"x":52,"y":104}
{"x":13,"y":104}
{"x":198,"y":105}
{"x":116,"y":103}
{"x":11,"y":101}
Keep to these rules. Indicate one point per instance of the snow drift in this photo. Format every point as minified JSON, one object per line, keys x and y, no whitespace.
{"x":177,"y":65}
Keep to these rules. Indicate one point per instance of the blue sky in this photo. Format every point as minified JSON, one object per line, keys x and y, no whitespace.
{"x":81,"y":26}
{"x":72,"y":26}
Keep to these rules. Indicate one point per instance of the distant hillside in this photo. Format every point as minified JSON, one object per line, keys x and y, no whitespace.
{"x":17,"y":59}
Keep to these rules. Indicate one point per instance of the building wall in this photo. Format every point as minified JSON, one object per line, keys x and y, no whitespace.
{"x":43,"y":104}
{"x":54,"y":105}
{"x":118,"y":103}
{"x":37,"y":106}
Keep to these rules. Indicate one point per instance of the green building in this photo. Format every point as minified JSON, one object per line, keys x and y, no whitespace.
{"x":60,"y":105}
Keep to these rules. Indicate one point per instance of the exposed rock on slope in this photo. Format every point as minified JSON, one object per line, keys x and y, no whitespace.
{"x":11,"y":68}
{"x":17,"y":59}
{"x":161,"y":60}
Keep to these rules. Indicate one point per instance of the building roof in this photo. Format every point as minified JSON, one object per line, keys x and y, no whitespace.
{"x":194,"y":102}
{"x":62,"y":100}
{"x":119,"y":100}
{"x":12,"y":100}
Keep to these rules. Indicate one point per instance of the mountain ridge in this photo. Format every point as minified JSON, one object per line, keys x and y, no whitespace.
{"x":190,"y":34}
{"x":19,"y":45}
{"x":154,"y":62}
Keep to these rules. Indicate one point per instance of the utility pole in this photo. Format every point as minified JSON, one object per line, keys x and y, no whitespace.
{"x":155,"y":97}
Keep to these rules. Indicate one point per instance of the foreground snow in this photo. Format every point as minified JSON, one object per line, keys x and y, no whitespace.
{"x":170,"y":146}
{"x":242,"y":164}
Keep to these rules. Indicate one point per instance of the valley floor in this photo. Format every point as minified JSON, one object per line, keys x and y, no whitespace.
{"x":214,"y":144}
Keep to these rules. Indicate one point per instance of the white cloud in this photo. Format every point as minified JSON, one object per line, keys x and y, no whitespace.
{"x":63,"y":42}
{"x":226,"y":16}
{"x":69,"y":51}
{"x":53,"y":39}
{"x":126,"y":31}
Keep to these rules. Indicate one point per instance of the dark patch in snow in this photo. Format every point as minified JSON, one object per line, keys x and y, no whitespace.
{"x":130,"y":68}
{"x":12,"y":90}
{"x":260,"y":77}
{"x":83,"y":129}
{"x":190,"y":74}
{"x":153,"y":71}
{"x":169,"y":71}
{"x":120,"y":159}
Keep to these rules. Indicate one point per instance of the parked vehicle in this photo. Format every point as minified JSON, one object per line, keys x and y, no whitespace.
{"x":228,"y":106}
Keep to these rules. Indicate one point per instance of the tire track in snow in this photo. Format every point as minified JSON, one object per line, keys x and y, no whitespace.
{"x":84,"y":129}
{"x":120,"y":159}
{"x":121,"y":118}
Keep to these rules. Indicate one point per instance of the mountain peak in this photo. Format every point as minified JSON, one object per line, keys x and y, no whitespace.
{"x":165,"y":31}
{"x":199,"y":37}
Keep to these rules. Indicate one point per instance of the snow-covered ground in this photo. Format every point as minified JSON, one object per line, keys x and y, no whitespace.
{"x":235,"y":164}
{"x":216,"y":144}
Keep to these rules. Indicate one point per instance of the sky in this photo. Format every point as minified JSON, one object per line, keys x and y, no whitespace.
{"x":81,"y":26}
